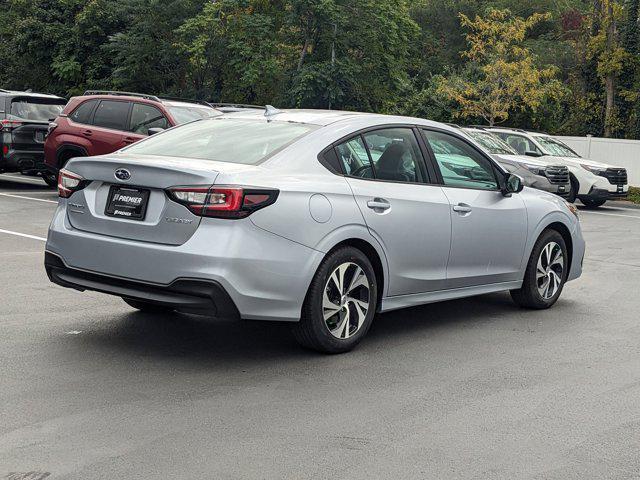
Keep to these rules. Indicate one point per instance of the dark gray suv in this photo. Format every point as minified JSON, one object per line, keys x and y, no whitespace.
{"x":24,"y":121}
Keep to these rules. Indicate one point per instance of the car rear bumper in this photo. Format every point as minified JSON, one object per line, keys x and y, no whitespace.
{"x":204,"y":297}
{"x":23,"y":161}
{"x":265,"y":276}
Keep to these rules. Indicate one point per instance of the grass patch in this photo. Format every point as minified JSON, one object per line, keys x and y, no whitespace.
{"x":634,"y":194}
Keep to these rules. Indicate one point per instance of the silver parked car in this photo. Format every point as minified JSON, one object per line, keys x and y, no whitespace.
{"x":318,"y":218}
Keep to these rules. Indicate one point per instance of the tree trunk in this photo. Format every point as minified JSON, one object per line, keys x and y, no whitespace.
{"x":303,"y":53}
{"x":610,"y":79}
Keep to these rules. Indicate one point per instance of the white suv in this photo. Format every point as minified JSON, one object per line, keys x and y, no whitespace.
{"x":593,"y":183}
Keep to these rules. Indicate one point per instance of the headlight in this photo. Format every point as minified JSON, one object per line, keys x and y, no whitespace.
{"x":595,"y":170}
{"x":573,"y":209}
{"x":535,"y":169}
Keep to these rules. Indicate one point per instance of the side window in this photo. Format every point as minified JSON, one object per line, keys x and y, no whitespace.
{"x":144,"y":117}
{"x":82,"y":114}
{"x":355,"y":159}
{"x":519,"y":142}
{"x":460,"y":164}
{"x":395,"y":154}
{"x":112,"y":114}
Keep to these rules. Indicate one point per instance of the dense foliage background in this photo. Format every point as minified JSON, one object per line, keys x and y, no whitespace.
{"x":389,"y":56}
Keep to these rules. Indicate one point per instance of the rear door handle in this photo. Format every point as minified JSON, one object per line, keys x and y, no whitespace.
{"x":462,"y":208}
{"x":128,"y":139}
{"x":378,"y":204}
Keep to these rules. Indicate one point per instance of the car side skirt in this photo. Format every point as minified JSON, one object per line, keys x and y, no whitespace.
{"x":403,"y":301}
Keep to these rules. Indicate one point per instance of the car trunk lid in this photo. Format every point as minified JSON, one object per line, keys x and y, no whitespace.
{"x":121,"y":185}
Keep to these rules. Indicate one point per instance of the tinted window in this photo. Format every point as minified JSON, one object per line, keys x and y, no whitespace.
{"x":223,"y":139}
{"x":112,"y":114}
{"x":395,"y":154}
{"x":520,"y":143}
{"x":82,"y":114}
{"x":39,"y":110}
{"x":144,"y":117}
{"x":355,"y":159}
{"x":460,"y":164}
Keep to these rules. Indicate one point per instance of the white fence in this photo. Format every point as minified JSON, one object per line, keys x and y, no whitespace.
{"x":621,"y":153}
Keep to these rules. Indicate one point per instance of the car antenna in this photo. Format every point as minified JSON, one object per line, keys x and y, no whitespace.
{"x":270,"y":111}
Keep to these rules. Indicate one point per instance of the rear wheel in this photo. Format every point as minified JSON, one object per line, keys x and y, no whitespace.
{"x":50,"y":179}
{"x":546,"y":273}
{"x":592,"y":203}
{"x":146,"y":306}
{"x":340,"y":304}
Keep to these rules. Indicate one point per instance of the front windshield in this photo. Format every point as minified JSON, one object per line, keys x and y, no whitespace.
{"x":556,"y":147}
{"x":491,"y":143}
{"x":224,"y":139}
{"x":39,"y":110}
{"x":185,"y":114}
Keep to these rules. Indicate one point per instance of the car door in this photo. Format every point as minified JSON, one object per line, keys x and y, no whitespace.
{"x":144,"y":117}
{"x":488,"y":229}
{"x":108,"y":131}
{"x":408,"y":216}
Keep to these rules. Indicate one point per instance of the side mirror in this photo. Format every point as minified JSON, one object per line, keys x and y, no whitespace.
{"x":513,"y":184}
{"x":154,"y":130}
{"x":529,"y":153}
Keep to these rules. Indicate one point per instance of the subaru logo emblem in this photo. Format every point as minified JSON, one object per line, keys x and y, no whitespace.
{"x":123,"y":174}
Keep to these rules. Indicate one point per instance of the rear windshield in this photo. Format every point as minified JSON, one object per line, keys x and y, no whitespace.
{"x":186,"y":114}
{"x":36,"y":109}
{"x":224,"y":140}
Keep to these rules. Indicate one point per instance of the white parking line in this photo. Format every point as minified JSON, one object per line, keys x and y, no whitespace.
{"x":28,"y":198}
{"x":610,"y":214}
{"x":18,"y":234}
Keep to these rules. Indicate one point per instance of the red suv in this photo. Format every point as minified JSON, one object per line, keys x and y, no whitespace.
{"x":101,"y":122}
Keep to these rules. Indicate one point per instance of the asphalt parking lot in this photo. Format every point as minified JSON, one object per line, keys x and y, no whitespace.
{"x":466,"y":389}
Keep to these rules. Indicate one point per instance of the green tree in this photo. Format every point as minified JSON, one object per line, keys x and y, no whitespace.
{"x":501,"y":75}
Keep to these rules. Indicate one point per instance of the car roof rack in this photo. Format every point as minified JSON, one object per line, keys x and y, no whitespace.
{"x":185,"y":100}
{"x":520,"y":130}
{"x":240,"y":106}
{"x":122,"y":94}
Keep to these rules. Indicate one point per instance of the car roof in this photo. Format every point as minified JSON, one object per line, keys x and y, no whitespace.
{"x":329,"y":117}
{"x":179,"y":103}
{"x":18,"y":93}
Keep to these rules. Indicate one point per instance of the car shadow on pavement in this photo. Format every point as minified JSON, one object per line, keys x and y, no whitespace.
{"x":202,"y":340}
{"x":17,"y":185}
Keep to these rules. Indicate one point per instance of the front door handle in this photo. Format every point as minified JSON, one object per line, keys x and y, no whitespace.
{"x":378,"y":204}
{"x":462,"y":208}
{"x":87,"y":133}
{"x":128,"y":140}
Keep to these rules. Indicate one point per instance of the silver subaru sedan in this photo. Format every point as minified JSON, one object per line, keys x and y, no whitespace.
{"x":318,"y":218}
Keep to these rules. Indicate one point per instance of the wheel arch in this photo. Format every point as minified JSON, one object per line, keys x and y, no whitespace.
{"x":563,"y":230}
{"x":67,"y":148}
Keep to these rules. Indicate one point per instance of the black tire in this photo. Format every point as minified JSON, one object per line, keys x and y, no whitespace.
{"x":528,"y":296}
{"x":51,"y":179}
{"x":312,"y":331}
{"x":590,"y":203}
{"x":573,"y":193}
{"x":146,"y":306}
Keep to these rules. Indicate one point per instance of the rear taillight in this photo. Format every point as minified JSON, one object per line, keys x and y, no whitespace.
{"x":223,"y":201}
{"x":69,"y":182}
{"x":8,"y":125}
{"x":5,"y":150}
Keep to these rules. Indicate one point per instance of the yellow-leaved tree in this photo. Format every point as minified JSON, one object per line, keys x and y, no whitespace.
{"x":501,"y":74}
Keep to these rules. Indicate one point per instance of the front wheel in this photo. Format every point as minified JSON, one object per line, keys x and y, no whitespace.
{"x":592,"y":203}
{"x":340,"y":303}
{"x":546,"y":273}
{"x":573,"y":192}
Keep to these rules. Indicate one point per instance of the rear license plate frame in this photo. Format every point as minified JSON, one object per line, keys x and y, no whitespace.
{"x":121,"y":207}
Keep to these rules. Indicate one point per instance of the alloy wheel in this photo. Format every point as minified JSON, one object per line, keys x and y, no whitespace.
{"x":345,"y":301}
{"x":549,"y":271}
